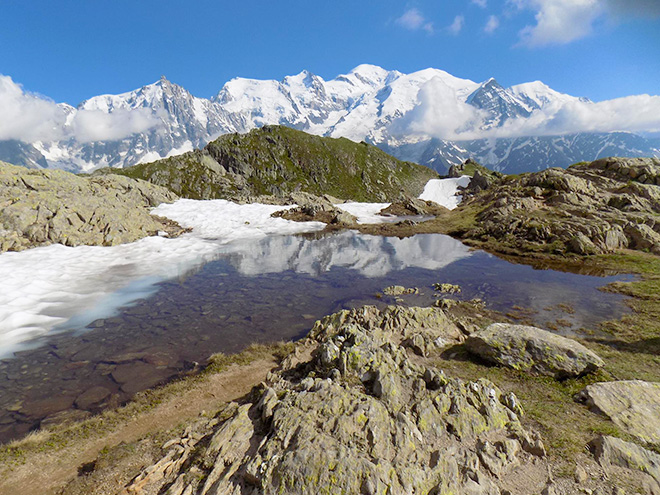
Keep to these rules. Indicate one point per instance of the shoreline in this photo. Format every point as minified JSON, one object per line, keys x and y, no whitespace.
{"x":41,"y":447}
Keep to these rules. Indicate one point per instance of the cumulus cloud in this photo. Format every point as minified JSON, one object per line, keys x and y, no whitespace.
{"x":480,"y":3}
{"x":456,"y":26}
{"x":491,"y":24}
{"x":441,"y":114}
{"x":27,"y":117}
{"x":413,"y":20}
{"x":640,"y":113}
{"x":559,"y":21}
{"x":563,"y":21}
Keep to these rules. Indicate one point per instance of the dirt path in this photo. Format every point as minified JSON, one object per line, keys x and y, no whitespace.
{"x":46,"y":473}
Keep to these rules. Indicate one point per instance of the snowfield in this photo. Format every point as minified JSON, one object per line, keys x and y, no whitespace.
{"x":45,"y":287}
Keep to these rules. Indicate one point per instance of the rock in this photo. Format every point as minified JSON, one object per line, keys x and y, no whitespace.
{"x":447,"y":288}
{"x":387,"y":426}
{"x":47,"y":407}
{"x":589,"y":208}
{"x":52,"y":206}
{"x":65,"y":417}
{"x":134,"y":377}
{"x":611,"y":451}
{"x":91,"y":397}
{"x":528,"y":348}
{"x":580,"y":475}
{"x":314,"y":208}
{"x":412,"y":206}
{"x":397,"y":290}
{"x":633,"y":405}
{"x":581,"y":244}
{"x":643,"y":237}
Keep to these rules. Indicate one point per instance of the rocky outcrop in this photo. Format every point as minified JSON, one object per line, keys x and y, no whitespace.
{"x":359,"y":416}
{"x":314,"y":208}
{"x":633,"y":405}
{"x":40,"y":207}
{"x":528,"y":348}
{"x":589,"y":208}
{"x":412,"y":206}
{"x":277,"y":160}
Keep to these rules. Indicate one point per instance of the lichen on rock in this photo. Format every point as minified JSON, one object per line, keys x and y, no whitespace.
{"x":529,"y":348}
{"x":362,"y":417}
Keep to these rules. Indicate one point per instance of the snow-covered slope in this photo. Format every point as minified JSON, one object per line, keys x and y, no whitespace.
{"x":429,"y":116}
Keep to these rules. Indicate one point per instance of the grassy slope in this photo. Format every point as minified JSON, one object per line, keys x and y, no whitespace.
{"x":280,"y":160}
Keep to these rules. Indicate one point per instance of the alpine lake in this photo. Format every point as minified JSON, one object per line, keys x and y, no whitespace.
{"x":268,"y":290}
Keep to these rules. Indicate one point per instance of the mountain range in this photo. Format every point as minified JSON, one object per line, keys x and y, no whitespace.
{"x":429,"y":117}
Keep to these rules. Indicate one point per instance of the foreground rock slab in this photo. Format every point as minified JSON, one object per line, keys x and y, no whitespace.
{"x":529,"y":348}
{"x":633,"y":405}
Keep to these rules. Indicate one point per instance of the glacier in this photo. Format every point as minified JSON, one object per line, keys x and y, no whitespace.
{"x":429,"y":116}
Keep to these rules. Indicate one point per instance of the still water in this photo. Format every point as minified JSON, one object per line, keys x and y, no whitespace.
{"x":263,"y":291}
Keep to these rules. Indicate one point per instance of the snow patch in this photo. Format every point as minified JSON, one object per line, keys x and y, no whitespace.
{"x":366,"y":212}
{"x":44,"y":287}
{"x":445,"y":191}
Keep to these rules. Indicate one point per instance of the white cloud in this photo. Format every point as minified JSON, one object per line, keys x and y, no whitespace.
{"x":96,"y":125}
{"x":457,"y":25}
{"x":480,"y":3}
{"x":413,"y":19}
{"x":491,"y":24}
{"x":564,"y":21}
{"x":29,"y":118}
{"x":440,"y":113}
{"x":639,"y":113}
{"x":559,"y":21}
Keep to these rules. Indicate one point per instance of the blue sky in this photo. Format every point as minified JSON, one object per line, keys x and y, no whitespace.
{"x":71,"y":50}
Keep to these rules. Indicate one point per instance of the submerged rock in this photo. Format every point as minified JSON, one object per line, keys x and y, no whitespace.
{"x":529,"y":348}
{"x":633,"y":405}
{"x":359,"y":417}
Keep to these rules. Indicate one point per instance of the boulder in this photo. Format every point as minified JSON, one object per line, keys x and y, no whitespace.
{"x":633,"y":405}
{"x":91,"y":397}
{"x":412,"y":206}
{"x":529,"y":348}
{"x":314,"y":208}
{"x":611,"y":451}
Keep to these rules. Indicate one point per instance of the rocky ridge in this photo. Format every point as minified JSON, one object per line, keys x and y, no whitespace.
{"x":590,"y":208}
{"x":276,"y":160}
{"x":41,"y":207}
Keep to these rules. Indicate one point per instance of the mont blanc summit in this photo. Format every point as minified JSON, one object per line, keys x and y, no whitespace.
{"x":428,"y":116}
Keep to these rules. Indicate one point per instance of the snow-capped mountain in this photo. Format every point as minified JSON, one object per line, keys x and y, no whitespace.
{"x":429,"y":116}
